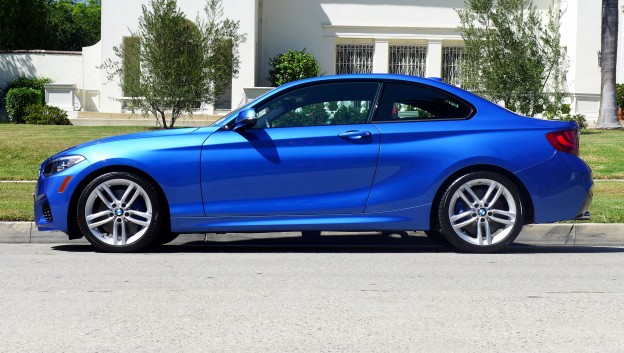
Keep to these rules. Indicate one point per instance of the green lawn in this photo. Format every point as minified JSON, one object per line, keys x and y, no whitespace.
{"x":608,"y":203}
{"x":24,"y":147}
{"x":604,"y":152}
{"x":16,"y":202}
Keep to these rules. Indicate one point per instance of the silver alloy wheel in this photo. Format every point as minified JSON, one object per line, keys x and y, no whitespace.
{"x":118,"y":212}
{"x":482,"y":212}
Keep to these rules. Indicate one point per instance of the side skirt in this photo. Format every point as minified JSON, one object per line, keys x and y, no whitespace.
{"x":416,"y":218}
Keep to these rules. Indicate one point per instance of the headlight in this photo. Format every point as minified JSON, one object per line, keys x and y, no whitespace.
{"x":60,"y":164}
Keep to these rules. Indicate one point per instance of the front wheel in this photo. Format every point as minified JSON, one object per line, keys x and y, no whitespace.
{"x":481,"y":212}
{"x":119,"y":212}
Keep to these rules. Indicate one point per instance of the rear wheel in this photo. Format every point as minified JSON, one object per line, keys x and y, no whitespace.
{"x":481,"y":212}
{"x":119,"y":212}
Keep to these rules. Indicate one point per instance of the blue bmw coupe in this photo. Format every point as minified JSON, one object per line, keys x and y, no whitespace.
{"x":347,"y":153}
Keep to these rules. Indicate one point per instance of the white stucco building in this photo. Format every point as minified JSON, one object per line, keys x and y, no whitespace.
{"x":409,"y":36}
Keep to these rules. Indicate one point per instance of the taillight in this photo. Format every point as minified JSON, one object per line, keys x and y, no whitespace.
{"x":564,"y":141}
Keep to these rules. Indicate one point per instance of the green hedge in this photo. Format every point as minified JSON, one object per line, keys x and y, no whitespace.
{"x":17,"y":99}
{"x":30,"y":82}
{"x":45,"y":115}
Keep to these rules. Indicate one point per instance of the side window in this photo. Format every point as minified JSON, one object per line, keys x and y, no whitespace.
{"x":412,"y":102}
{"x":324,"y":104}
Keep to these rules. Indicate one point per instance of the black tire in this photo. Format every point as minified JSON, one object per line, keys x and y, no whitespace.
{"x":481,"y":203}
{"x":127,"y":227}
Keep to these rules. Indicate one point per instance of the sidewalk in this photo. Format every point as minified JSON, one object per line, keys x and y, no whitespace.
{"x":586,"y":234}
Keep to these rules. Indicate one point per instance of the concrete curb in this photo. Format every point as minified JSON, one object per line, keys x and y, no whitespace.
{"x":581,"y":234}
{"x":584,"y":234}
{"x":27,"y":232}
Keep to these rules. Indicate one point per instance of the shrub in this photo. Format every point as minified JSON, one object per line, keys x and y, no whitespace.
{"x":619,"y":94}
{"x":291,"y":66}
{"x":45,"y":115}
{"x":565,"y":109}
{"x":27,"y":82}
{"x":579,"y":118}
{"x":17,"y":99}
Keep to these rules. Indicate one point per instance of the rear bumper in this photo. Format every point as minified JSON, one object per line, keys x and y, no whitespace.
{"x":584,"y":213}
{"x":560,"y":188}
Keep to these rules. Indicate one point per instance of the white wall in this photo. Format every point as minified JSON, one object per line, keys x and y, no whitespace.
{"x":119,"y":18}
{"x":246,"y":12}
{"x":92,"y":60}
{"x":80,"y":69}
{"x":580,"y":34}
{"x":61,"y":67}
{"x":318,"y":25}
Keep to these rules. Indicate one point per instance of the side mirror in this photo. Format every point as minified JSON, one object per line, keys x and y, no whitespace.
{"x":245,"y":119}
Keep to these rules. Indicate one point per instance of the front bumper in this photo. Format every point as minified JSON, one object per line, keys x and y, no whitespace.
{"x":50,"y":206}
{"x":53,"y":196}
{"x":43,"y":212}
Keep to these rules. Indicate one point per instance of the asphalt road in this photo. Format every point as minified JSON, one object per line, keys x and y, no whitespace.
{"x":285,"y":295}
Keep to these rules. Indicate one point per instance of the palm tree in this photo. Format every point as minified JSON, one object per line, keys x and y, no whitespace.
{"x":607,"y":118}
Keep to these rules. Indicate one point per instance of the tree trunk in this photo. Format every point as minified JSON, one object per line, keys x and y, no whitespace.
{"x":607,"y":118}
{"x":163,"y":118}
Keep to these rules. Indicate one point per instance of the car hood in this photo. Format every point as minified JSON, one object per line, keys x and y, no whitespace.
{"x":137,"y":135}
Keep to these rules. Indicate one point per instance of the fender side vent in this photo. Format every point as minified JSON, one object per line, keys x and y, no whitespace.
{"x":47,"y":212}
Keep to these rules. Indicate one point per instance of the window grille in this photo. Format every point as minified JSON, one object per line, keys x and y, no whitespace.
{"x":451,"y":61}
{"x":408,"y":59}
{"x":354,"y":58}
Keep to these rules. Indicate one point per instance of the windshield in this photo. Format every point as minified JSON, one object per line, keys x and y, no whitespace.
{"x":227,"y":116}
{"x":235,"y":111}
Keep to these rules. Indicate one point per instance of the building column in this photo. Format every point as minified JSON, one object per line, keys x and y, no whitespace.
{"x":244,"y":11}
{"x":434,"y":58}
{"x":380,"y":58}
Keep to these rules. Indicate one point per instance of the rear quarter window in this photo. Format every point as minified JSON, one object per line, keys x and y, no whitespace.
{"x":407,"y":102}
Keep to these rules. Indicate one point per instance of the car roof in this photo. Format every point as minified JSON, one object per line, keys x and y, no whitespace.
{"x":376,"y":77}
{"x":433,"y":82}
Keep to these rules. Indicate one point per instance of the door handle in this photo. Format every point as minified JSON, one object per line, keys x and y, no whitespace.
{"x":356,"y":134}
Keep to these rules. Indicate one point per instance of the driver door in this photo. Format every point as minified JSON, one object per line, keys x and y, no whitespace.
{"x":312,"y":152}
